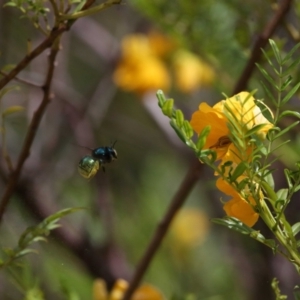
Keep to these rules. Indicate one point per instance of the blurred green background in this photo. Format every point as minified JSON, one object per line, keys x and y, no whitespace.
{"x":125,"y":204}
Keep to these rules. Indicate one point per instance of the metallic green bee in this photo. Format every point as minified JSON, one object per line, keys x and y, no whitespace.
{"x":90,"y":165}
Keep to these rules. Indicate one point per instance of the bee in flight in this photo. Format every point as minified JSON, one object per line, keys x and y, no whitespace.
{"x":89,"y":165}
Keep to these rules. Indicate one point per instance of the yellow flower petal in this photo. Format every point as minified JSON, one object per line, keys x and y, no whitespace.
{"x":244,"y":113}
{"x":238,"y":207}
{"x":191,"y":72}
{"x":189,"y":227}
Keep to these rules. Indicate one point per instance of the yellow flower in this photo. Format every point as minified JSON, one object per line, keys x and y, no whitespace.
{"x":238,"y":207}
{"x":245,"y":112}
{"x":159,"y":44}
{"x":139,"y":69}
{"x":191,"y":72}
{"x":189,"y":228}
{"x":141,"y":74}
{"x":144,"y":292}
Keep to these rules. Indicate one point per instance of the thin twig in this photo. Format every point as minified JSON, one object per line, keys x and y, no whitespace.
{"x":185,"y":188}
{"x":13,"y":178}
{"x":22,"y":80}
{"x":56,"y":32}
{"x":260,"y":43}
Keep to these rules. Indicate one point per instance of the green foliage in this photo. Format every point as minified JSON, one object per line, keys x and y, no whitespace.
{"x":250,"y":175}
{"x":276,"y":290}
{"x":237,"y":225}
{"x":35,"y":10}
{"x":32,"y":235}
{"x":183,"y":127}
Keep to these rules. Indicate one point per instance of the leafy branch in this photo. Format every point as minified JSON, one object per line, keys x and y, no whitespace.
{"x":34,"y":234}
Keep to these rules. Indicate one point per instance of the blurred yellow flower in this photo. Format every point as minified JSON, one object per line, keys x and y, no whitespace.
{"x":189,"y":228}
{"x":159,"y":44}
{"x":245,"y":113}
{"x":144,"y":292}
{"x":140,"y":70}
{"x":238,"y":207}
{"x":191,"y":72}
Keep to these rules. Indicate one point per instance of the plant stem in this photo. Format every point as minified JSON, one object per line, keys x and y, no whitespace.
{"x":261,"y":42}
{"x":14,"y":176}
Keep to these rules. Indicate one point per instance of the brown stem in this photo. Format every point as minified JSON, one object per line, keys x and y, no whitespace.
{"x":55,"y":33}
{"x":14,"y":177}
{"x":185,"y":188}
{"x":260,"y":43}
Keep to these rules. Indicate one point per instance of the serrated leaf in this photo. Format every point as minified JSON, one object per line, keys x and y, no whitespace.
{"x":290,"y":94}
{"x":12,"y":110}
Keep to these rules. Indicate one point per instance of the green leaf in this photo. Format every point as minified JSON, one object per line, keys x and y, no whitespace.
{"x":282,"y":194}
{"x":275,"y":287}
{"x":7,"y":90}
{"x":290,"y":54}
{"x":297,"y":292}
{"x":254,"y":129}
{"x":290,"y":94}
{"x":285,"y":130}
{"x":12,"y":110}
{"x":179,"y":117}
{"x":289,"y":113}
{"x":25,"y":252}
{"x":275,"y":51}
{"x":237,"y":225}
{"x":270,"y":62}
{"x":286,"y":83}
{"x":296,"y":228}
{"x":290,"y":68}
{"x":269,"y":94}
{"x":202,"y":137}
{"x":189,"y":132}
{"x":267,"y":76}
{"x":238,"y":171}
{"x":161,"y":98}
{"x":269,"y":180}
{"x":167,"y":108}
